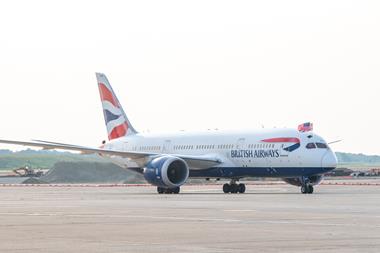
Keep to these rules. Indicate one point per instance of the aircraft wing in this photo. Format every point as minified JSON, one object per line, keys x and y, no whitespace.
{"x":193,"y":161}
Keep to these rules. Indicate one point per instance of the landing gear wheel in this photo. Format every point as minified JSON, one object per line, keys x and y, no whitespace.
{"x":226,"y":188}
{"x":241,"y":188}
{"x":168,"y":191}
{"x":160,"y":190}
{"x":304,"y":189}
{"x":176,"y":190}
{"x":310,"y":189}
{"x":307,"y":189}
{"x":234,"y":188}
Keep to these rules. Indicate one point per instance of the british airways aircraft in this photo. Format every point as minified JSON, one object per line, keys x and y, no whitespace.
{"x":298,"y":156}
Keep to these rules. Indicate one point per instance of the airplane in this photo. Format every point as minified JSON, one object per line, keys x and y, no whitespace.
{"x":298,"y":156}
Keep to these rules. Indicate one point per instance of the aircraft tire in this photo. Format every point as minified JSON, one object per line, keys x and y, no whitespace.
{"x":234,"y":188}
{"x":160,"y":190}
{"x":168,"y":191}
{"x":176,"y":190}
{"x":310,"y":189}
{"x":241,"y":188}
{"x":226,"y":188}
{"x":304,"y":189}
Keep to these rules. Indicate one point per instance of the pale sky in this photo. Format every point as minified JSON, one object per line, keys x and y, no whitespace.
{"x":191,"y":65}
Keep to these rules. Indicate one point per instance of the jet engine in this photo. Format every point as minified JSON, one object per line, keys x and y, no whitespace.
{"x":166,"y":172}
{"x":313,"y":180}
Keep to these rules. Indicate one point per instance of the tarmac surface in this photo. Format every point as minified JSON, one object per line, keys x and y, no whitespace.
{"x":268,"y":218}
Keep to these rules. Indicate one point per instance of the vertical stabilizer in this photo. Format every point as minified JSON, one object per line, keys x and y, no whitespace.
{"x":116,"y":120}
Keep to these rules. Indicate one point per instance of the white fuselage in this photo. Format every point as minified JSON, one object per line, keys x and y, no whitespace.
{"x":267,"y":151}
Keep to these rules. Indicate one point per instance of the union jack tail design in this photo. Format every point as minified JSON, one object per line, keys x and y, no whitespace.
{"x":116,"y":120}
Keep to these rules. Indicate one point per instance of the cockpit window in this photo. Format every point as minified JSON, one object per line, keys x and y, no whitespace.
{"x":321,"y":145}
{"x":310,"y":145}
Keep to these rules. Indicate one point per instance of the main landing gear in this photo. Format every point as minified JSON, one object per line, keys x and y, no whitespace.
{"x":162,"y":190}
{"x":233,"y":187}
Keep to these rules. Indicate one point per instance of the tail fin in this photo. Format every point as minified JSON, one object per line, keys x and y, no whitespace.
{"x":117,"y":122}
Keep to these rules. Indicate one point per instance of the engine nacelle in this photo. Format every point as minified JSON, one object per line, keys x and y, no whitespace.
{"x":313,"y":180}
{"x":166,"y":172}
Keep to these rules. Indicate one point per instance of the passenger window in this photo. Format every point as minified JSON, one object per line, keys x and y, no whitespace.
{"x":310,"y":145}
{"x":321,"y":145}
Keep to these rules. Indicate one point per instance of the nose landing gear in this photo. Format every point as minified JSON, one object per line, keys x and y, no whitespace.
{"x":307,"y":189}
{"x":234,"y":188}
{"x":306,"y":186}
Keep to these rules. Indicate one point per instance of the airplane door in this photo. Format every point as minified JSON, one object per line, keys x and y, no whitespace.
{"x":284,"y":154}
{"x":166,"y":148}
{"x":125,"y":146}
{"x":240,"y":146}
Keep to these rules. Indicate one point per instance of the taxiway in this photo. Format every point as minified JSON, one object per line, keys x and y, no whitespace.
{"x":268,"y":218}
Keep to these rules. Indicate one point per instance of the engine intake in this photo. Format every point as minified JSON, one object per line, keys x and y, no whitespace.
{"x":166,"y":171}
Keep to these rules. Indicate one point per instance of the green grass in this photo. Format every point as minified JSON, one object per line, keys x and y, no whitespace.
{"x":42,"y":160}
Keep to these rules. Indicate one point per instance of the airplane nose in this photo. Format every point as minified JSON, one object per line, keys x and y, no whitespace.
{"x":329,"y":160}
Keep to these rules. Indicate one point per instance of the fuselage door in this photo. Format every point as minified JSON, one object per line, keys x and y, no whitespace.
{"x":240,"y":145}
{"x":166,"y":148}
{"x":125,"y":146}
{"x":240,"y":148}
{"x":283,"y":151}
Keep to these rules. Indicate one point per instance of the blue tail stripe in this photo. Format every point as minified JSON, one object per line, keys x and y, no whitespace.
{"x":110,"y":116}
